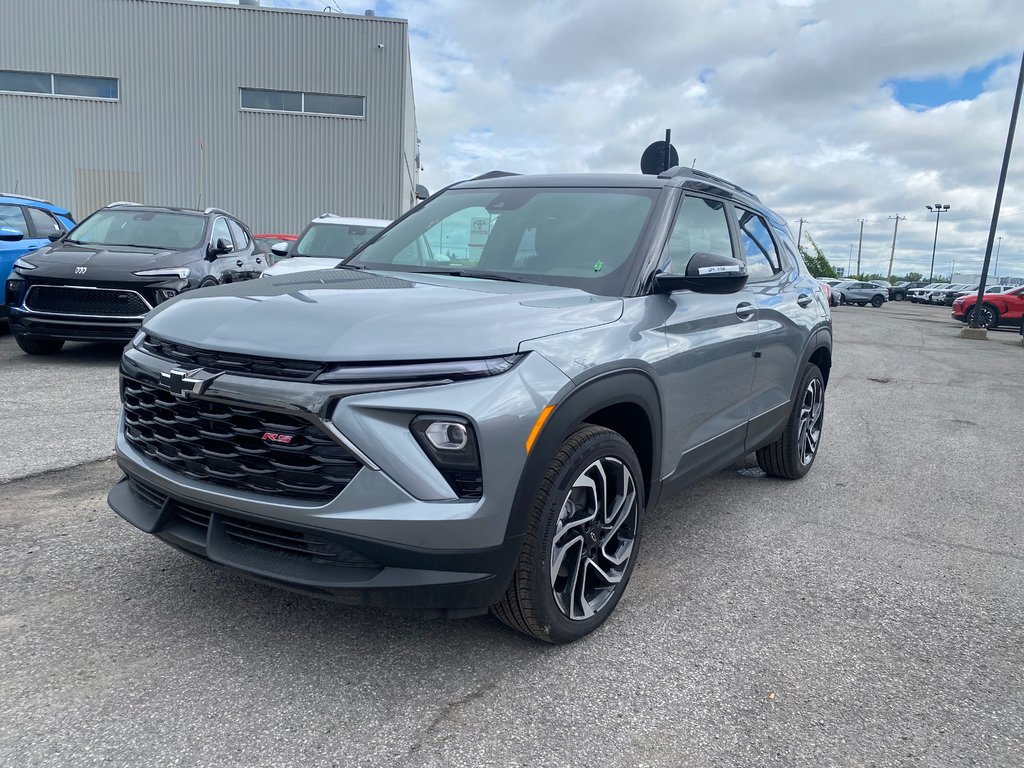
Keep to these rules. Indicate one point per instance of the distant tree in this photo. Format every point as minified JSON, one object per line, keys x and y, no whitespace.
{"x":817,"y":263}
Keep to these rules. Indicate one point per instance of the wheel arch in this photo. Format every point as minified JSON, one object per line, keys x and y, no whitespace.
{"x":625,"y":401}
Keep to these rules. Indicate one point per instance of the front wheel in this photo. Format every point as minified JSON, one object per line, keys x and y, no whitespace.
{"x":861,"y":303}
{"x":33,"y":346}
{"x":581,"y":543}
{"x":898,"y":297}
{"x":877,"y":301}
{"x":988,"y":317}
{"x":792,"y":455}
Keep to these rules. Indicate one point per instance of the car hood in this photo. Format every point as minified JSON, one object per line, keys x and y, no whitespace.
{"x":344,"y":316}
{"x":65,"y":260}
{"x":300,"y":264}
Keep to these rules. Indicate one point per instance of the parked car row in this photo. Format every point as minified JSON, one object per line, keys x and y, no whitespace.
{"x":856,"y":292}
{"x":96,"y":280}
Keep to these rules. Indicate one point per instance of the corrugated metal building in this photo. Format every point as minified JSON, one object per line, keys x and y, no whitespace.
{"x":275,"y":115}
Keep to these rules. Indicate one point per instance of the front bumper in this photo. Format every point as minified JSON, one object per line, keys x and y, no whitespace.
{"x":425,"y":546}
{"x":72,"y":327}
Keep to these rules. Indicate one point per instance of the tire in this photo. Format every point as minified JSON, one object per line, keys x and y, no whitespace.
{"x":564,"y":539}
{"x":207,"y":282}
{"x":33,"y":346}
{"x":793,"y":454}
{"x":898,"y":297}
{"x":877,"y":301}
{"x":988,"y":317}
{"x":861,"y":303}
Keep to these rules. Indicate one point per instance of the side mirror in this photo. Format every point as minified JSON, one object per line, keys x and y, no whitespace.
{"x":11,"y":235}
{"x":55,"y":236}
{"x":222,"y":246}
{"x":706,"y":273}
{"x":421,"y":192}
{"x":279,"y":249}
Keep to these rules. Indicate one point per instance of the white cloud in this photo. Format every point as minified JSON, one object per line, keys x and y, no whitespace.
{"x":789,"y":99}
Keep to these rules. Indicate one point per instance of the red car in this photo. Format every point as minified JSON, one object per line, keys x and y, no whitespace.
{"x":996,"y":308}
{"x":265,"y":242}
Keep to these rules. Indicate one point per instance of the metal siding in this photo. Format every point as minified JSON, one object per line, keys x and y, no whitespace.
{"x":180,"y":66}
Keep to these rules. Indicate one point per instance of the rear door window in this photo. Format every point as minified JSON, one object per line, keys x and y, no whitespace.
{"x":42,"y":222}
{"x":758,"y":248}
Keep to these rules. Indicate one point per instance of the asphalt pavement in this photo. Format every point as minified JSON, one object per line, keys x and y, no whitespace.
{"x":869,"y":614}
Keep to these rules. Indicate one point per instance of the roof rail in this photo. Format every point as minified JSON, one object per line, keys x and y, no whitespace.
{"x":693,"y":173}
{"x":218,"y":210}
{"x":329,"y":215}
{"x":494,"y":175}
{"x":26,"y":197}
{"x":120,"y":202}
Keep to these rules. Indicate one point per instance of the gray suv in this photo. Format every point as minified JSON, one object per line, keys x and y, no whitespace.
{"x":490,"y":433}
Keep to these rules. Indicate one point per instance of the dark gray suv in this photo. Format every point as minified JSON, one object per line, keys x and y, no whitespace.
{"x":486,"y":434}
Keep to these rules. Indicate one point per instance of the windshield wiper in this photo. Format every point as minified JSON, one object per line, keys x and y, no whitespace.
{"x":473,"y":273}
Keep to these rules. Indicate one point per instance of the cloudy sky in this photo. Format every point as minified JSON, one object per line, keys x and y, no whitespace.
{"x":830,"y":111}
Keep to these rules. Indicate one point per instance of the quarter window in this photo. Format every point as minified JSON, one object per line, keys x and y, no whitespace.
{"x":83,"y":86}
{"x":265,"y":100}
{"x":758,"y":249}
{"x":701,"y":225}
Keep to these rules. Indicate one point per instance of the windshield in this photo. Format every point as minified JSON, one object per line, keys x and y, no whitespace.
{"x":580,"y":237}
{"x":332,"y":241}
{"x":145,"y":229}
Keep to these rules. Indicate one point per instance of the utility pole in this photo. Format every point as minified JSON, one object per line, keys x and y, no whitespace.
{"x":896,"y":226}
{"x":799,"y":233}
{"x":975,"y":315}
{"x":939,"y":209}
{"x":860,"y":241}
{"x":996,"y":268}
{"x":849,"y":262}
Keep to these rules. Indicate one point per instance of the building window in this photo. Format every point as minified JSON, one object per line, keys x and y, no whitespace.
{"x":263,"y":100}
{"x":81,"y":86}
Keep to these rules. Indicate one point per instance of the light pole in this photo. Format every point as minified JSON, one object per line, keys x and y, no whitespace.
{"x":849,"y":262}
{"x":939,"y":209}
{"x":996,"y":268}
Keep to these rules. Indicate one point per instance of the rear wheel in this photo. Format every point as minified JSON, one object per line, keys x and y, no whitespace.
{"x":792,"y":455}
{"x":877,"y":301}
{"x":580,"y":545}
{"x":898,"y":297}
{"x":34,"y":346}
{"x":987,"y":317}
{"x":861,"y":303}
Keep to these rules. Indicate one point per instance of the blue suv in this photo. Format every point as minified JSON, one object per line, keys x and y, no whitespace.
{"x":26,"y":224}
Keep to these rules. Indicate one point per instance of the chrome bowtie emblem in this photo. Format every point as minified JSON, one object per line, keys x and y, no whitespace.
{"x":194,"y":382}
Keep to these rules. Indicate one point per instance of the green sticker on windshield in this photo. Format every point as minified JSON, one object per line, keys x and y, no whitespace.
{"x":598,"y":266}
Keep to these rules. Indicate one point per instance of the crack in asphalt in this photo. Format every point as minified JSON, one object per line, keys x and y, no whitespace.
{"x":911,"y":539}
{"x":447,"y":711}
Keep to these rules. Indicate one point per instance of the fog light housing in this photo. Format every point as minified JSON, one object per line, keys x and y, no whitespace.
{"x":13,"y":292}
{"x":163,"y":294}
{"x":447,"y":435}
{"x":450,"y":442}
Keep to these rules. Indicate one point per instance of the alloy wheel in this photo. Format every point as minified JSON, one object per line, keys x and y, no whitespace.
{"x":594,"y":538}
{"x":812,"y":411}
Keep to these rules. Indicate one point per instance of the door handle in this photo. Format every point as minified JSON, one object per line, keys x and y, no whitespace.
{"x":32,"y":248}
{"x":745,"y":310}
{"x":239,"y":262}
{"x":259,"y":260}
{"x":804,"y":300}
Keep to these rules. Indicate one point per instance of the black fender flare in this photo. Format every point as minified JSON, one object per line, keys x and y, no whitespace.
{"x":630,"y":386}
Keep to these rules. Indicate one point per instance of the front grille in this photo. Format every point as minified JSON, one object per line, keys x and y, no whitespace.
{"x":264,"y":367}
{"x":223,"y":444}
{"x":102,"y":302}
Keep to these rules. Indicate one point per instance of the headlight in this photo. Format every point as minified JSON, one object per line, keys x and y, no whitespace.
{"x":22,"y":266}
{"x":441,"y":372}
{"x":137,"y":339}
{"x":180,"y":272}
